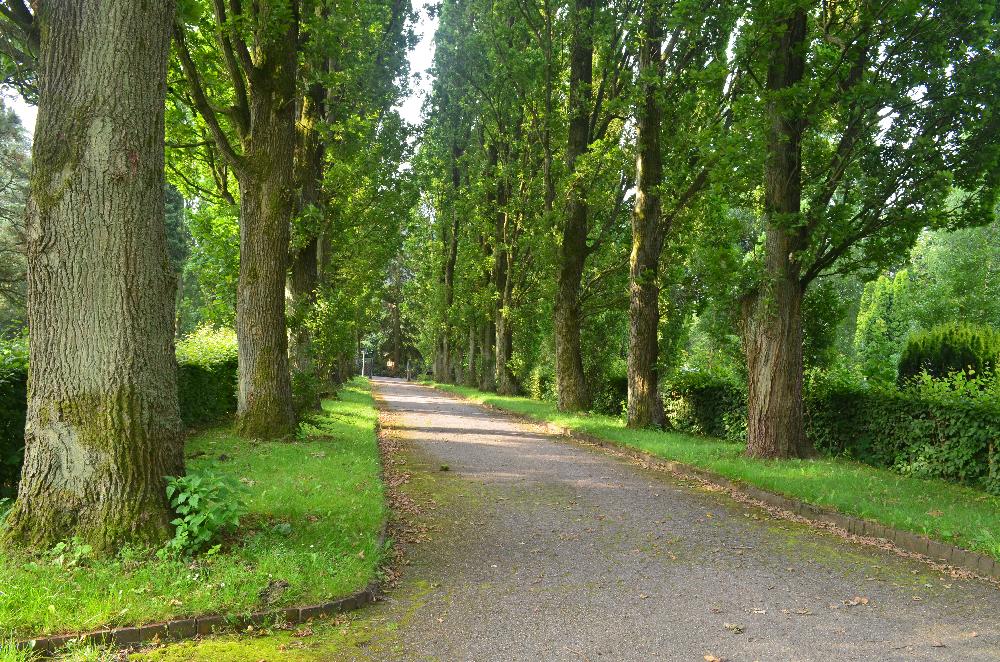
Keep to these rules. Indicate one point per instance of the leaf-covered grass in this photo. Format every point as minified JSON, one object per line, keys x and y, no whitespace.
{"x":940,"y":510}
{"x":316,"y":507}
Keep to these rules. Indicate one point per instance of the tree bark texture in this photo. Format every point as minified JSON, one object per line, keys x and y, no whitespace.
{"x":304,"y":274}
{"x":487,"y":379}
{"x":644,"y":405}
{"x":442,"y":363}
{"x":772,"y":315}
{"x":472,"y":373}
{"x":103,"y":427}
{"x":570,"y":382}
{"x":266,"y":187}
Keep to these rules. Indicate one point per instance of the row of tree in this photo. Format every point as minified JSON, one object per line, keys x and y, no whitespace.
{"x":592,"y":167}
{"x":278,"y":114}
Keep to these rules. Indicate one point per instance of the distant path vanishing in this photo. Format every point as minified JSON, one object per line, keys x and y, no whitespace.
{"x":540,"y":549}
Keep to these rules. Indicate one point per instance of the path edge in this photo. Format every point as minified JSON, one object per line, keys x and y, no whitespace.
{"x":943,"y":556}
{"x":185,"y":629}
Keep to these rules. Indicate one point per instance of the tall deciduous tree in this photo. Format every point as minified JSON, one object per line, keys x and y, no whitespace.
{"x":879,"y":119}
{"x":571,"y":383}
{"x":255,"y":134}
{"x":103,"y":427}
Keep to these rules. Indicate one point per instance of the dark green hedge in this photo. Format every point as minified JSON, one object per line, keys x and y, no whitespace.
{"x":13,"y":405}
{"x":947,"y":429}
{"x":206,"y":389}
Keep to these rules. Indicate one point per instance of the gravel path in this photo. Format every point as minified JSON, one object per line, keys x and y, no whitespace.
{"x":540,"y":549}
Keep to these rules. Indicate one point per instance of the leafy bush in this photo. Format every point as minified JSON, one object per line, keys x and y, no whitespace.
{"x":948,"y":348}
{"x":541,"y":382}
{"x":610,"y":387}
{"x":705,"y":403}
{"x":936,"y":428}
{"x":206,"y":375}
{"x":207,"y":505}
{"x":307,"y":391}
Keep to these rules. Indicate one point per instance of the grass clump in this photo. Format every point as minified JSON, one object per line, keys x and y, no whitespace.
{"x":314,"y":510}
{"x":951,"y":513}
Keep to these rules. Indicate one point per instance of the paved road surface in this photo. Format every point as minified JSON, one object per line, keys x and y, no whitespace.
{"x":540,"y":549}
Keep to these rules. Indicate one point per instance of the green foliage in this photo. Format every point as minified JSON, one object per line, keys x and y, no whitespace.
{"x":208,"y":505}
{"x":940,"y":428}
{"x":13,"y":406}
{"x":326,"y":491}
{"x":934,"y":429}
{"x":206,"y":375}
{"x":69,"y":553}
{"x":882,"y":324}
{"x":706,"y":403}
{"x":9,"y":652}
{"x":948,"y":348}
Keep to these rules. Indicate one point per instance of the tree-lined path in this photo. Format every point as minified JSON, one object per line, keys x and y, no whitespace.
{"x":541,"y":549}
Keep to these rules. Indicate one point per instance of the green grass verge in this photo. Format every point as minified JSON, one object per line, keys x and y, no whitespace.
{"x":940,"y":510}
{"x":326,"y":486}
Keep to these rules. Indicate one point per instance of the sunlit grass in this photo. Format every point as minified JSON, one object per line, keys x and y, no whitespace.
{"x":326,"y":487}
{"x":940,"y":510}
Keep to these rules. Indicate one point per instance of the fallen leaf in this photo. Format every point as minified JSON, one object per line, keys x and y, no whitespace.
{"x":856,"y":600}
{"x":733,"y":627}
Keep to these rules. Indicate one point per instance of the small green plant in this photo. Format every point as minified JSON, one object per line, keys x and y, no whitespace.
{"x":70,"y":553}
{"x":207,"y":505}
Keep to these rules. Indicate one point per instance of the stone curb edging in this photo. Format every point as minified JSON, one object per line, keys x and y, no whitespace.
{"x":984,"y":567}
{"x":198,"y":626}
{"x":190,"y":628}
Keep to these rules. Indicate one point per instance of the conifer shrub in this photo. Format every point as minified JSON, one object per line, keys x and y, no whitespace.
{"x":950,"y":348}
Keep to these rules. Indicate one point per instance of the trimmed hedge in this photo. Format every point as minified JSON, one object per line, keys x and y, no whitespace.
{"x":206,"y":375}
{"x":206,"y":389}
{"x":948,"y":429}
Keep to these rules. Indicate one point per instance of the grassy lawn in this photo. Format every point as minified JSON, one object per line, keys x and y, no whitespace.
{"x":950,"y":513}
{"x":316,"y":507}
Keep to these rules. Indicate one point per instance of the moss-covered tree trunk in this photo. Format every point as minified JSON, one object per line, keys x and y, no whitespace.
{"x":262,"y":117}
{"x":487,"y":378}
{"x":570,"y":382}
{"x":303,"y":278}
{"x":772,"y":314}
{"x":266,"y":188}
{"x":103,"y":427}
{"x":644,"y":404}
{"x":472,"y":374}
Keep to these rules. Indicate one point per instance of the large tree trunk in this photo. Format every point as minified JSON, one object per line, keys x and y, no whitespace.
{"x":644,"y":405}
{"x":304,"y":274}
{"x":103,"y":427}
{"x":570,"y":381}
{"x":487,"y":380}
{"x":472,"y":373}
{"x":506,"y":381}
{"x":266,"y":188}
{"x":772,"y":315}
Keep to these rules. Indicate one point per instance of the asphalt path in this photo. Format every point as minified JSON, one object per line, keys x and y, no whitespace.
{"x":532,"y":547}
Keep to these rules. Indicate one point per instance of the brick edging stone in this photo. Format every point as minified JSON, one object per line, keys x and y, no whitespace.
{"x":985,"y":567}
